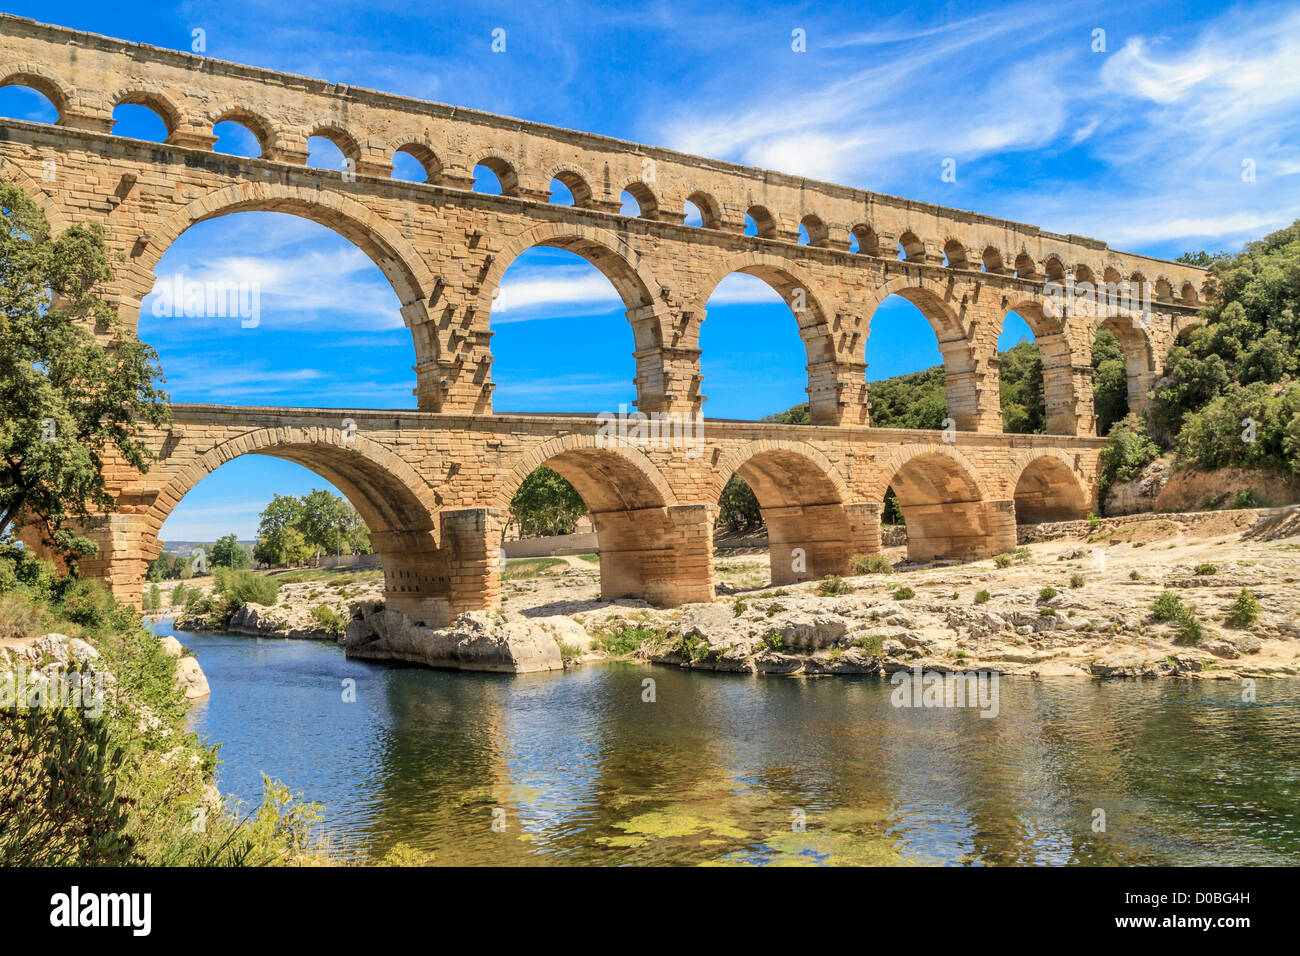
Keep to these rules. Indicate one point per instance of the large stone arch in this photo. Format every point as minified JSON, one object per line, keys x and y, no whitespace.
{"x":1065,"y":375}
{"x":1046,"y":487}
{"x":1140,"y":369}
{"x":398,"y":506}
{"x":811,"y":531}
{"x":946,"y":504}
{"x":650,"y":547}
{"x":971,"y":407}
{"x":396,"y":258}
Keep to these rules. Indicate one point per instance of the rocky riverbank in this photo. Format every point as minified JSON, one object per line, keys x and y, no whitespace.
{"x":1076,"y":600}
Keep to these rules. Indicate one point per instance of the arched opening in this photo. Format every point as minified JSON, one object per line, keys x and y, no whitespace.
{"x":1026,"y":268}
{"x":752,"y":362}
{"x":760,"y":222}
{"x":272,"y":308}
{"x":570,"y":189}
{"x":991,"y":260}
{"x":139,"y":118}
{"x":1111,"y":388}
{"x":1020,"y":373}
{"x":495,"y":177}
{"x":332,"y":148}
{"x":701,"y":209}
{"x":639,"y":202}
{"x":415,"y":163}
{"x":910,"y":247}
{"x":813,"y":232}
{"x":628,"y":504}
{"x":863,"y":240}
{"x":954,"y":255}
{"x":914,"y":347}
{"x":559,"y":325}
{"x":1189,"y":295}
{"x":1048,"y":490}
{"x":31,"y":99}
{"x":942,"y":508}
{"x":236,"y":139}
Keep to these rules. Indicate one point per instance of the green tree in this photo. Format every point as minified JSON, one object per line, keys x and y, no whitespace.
{"x":228,"y":553}
{"x":546,"y":504}
{"x":69,"y":397}
{"x":738,"y":506}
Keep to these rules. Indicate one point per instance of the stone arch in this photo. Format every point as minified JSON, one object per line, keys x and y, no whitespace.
{"x":993,"y":260}
{"x":347,"y":144}
{"x":643,"y":551}
{"x":945,"y":504}
{"x":868,"y":241}
{"x":765,"y":223}
{"x":1063,"y":405}
{"x":152,"y":98}
{"x":803,"y":499}
{"x":709,"y":207}
{"x":255,"y":123}
{"x":1188,"y":293}
{"x":400,"y":263}
{"x":1048,"y":489}
{"x":1139,"y":351}
{"x":40,"y":80}
{"x":15,"y":175}
{"x":818,"y":233}
{"x":646,"y":200}
{"x":1054,"y":268}
{"x":575,"y":179}
{"x":1026,"y":268}
{"x":912,"y":246}
{"x":955,"y":250}
{"x":503,"y":167}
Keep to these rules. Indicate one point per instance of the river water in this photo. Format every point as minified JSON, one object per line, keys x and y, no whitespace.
{"x":578,"y":768}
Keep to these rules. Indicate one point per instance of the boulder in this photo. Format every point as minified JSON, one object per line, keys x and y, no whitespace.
{"x":1119,"y":664}
{"x":474,"y":641}
{"x":191,"y":679}
{"x":171,"y":647}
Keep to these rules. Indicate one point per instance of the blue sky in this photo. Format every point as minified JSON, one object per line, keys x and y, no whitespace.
{"x":1140,"y":144}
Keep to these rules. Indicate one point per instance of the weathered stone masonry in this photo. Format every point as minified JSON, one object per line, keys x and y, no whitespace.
{"x":434,"y":484}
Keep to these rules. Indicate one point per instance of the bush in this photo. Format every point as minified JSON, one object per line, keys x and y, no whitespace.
{"x":871,"y":564}
{"x":1205,"y":569}
{"x":833,"y":584}
{"x":1003,"y":560}
{"x":623,"y":641}
{"x":1047,"y":593}
{"x":904,"y":594}
{"x":1244,"y":610}
{"x":1134,"y":575}
{"x":1127,"y":451}
{"x":1246,"y":498}
{"x":247,"y":587}
{"x":1189,"y":630}
{"x":873,"y":644}
{"x":1077,"y":580}
{"x":1166,"y":607}
{"x":328,"y":619}
{"x":981,"y":596}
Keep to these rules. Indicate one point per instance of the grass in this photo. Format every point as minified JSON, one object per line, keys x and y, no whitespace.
{"x":1004,"y":560}
{"x":590,"y":558}
{"x":325,"y":576}
{"x":873,"y":644}
{"x":833,"y":584}
{"x":520,"y":568}
{"x":871,"y":564}
{"x":1205,"y":569}
{"x":1047,"y":593}
{"x":1077,"y":580}
{"x":904,"y":594}
{"x":624,"y":640}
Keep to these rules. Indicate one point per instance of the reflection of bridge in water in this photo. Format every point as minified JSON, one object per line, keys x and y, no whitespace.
{"x":433,"y":484}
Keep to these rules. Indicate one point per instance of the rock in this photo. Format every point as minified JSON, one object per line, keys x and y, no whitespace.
{"x":1056,"y":669}
{"x":474,"y":641}
{"x":171,"y":647}
{"x":191,"y":679}
{"x":1220,"y":648}
{"x":1119,"y":664}
{"x":1246,"y":643}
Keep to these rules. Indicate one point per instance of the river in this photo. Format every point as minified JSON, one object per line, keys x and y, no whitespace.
{"x":579,"y":768}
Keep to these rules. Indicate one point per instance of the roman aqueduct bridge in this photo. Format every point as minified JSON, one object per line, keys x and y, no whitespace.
{"x":433,"y":484}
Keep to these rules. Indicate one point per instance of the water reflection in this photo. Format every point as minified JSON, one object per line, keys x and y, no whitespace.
{"x":719,"y":767}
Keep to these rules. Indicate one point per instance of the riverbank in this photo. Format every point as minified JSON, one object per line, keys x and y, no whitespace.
{"x":1078,"y":599}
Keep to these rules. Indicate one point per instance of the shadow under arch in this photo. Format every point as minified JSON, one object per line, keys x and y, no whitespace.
{"x":644,"y":540}
{"x":1047,"y":489}
{"x":945,"y":507}
{"x":803,"y":498}
{"x":399,"y":508}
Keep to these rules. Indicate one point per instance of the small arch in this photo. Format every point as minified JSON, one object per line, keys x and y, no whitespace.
{"x":708,"y":209}
{"x":1049,"y":490}
{"x":954,"y":253}
{"x":254,"y":125}
{"x":507,"y":179}
{"x":42,"y":88}
{"x":1026,"y":268}
{"x":575,"y":184}
{"x":863,"y":240}
{"x":991,"y":260}
{"x":423,"y":164}
{"x":815,"y":230}
{"x":910,"y":247}
{"x":762,"y":221}
{"x":153,"y":101}
{"x":344,"y":141}
{"x":1083,"y":273}
{"x":942,"y":503}
{"x":1189,"y":295}
{"x":1054,"y":269}
{"x":643,"y":197}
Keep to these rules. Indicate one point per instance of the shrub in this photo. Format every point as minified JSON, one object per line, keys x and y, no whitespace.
{"x":1189,"y":630}
{"x":904,"y":594}
{"x":328,"y":619}
{"x":1134,"y":576}
{"x":738,"y":608}
{"x":1047,"y":593}
{"x":1093,"y":521}
{"x":1166,"y":607}
{"x":833,"y":584}
{"x":623,"y":641}
{"x":88,"y":603}
{"x":1246,"y":498}
{"x":246,"y":587}
{"x":871,"y":564}
{"x":1205,"y":569}
{"x":1244,"y":610}
{"x":19,"y":618}
{"x":873,"y":644}
{"x":981,"y":596}
{"x":1127,"y":451}
{"x":1003,"y":560}
{"x":1077,"y":580}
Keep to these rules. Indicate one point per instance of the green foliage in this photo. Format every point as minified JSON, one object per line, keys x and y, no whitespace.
{"x":624,"y":640}
{"x":519,"y":568}
{"x":1246,"y":498}
{"x":152,"y":598}
{"x":833,"y":584}
{"x":328,"y":619}
{"x":1134,"y":575}
{"x":246,"y":587}
{"x":1244,"y":610}
{"x":1003,"y":560}
{"x":546,"y":504}
{"x":1020,"y":378}
{"x":1189,"y":628}
{"x":798,"y":415}
{"x":870,"y":564}
{"x":873,"y":644}
{"x":738,"y":506}
{"x":915,"y":400}
{"x":1047,"y":593}
{"x":1215,"y":437}
{"x":227,"y":552}
{"x":1109,"y":380}
{"x":1127,"y":451}
{"x":1205,"y":569}
{"x":70,"y":395}
{"x":904,"y":594}
{"x":982,"y":596}
{"x":1166,"y":607}
{"x":738,"y":608}
{"x":1077,"y":580}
